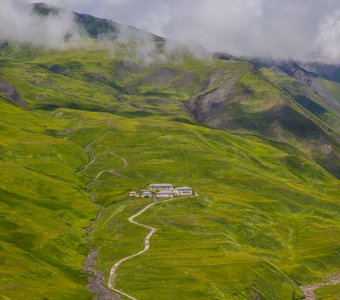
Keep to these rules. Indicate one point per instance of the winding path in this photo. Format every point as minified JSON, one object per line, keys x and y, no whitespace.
{"x":309,"y":290}
{"x":96,"y":284}
{"x":125,"y":162}
{"x":146,"y":248}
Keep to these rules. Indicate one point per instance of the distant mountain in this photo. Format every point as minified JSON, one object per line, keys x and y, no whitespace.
{"x":327,"y":71}
{"x":224,"y":56}
{"x":311,"y":75}
{"x":98,"y":27}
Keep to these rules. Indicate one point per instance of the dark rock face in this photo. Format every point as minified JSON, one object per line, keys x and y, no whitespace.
{"x":9,"y":92}
{"x":42,"y":9}
{"x":204,"y":105}
{"x":292,"y":69}
{"x":327,"y":71}
{"x":224,"y":56}
{"x":96,"y":27}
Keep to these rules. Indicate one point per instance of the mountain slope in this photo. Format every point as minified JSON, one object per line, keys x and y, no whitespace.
{"x":258,"y":143}
{"x":242,"y":224}
{"x":265,"y":221}
{"x":230,"y":95}
{"x":44,"y":207}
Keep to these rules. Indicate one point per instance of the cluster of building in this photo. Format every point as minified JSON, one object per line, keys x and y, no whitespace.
{"x":163,"y":190}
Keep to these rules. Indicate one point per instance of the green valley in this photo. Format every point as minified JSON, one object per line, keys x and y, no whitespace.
{"x":266,"y":220}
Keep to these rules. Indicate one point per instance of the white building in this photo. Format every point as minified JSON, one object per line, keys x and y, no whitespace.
{"x":184,"y":191}
{"x":165,"y":194}
{"x":133,"y":194}
{"x":147,"y":194}
{"x":161,"y":187}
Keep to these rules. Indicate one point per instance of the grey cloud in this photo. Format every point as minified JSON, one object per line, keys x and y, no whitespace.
{"x":19,"y":24}
{"x":297,"y":29}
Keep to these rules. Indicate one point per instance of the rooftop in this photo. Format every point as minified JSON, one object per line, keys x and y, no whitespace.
{"x":184,"y":188}
{"x":165,"y":192}
{"x":161,"y":185}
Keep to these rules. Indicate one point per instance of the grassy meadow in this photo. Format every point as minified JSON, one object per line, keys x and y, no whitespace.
{"x":328,"y":293}
{"x":44,"y":206}
{"x":266,"y":219}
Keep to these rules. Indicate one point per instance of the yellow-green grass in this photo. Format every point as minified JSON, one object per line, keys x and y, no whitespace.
{"x":307,"y":98}
{"x":331,"y":292}
{"x":332,"y":87}
{"x":44,"y":208}
{"x":262,"y":219}
{"x":266,"y":219}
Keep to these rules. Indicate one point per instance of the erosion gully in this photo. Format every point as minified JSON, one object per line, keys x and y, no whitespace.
{"x":97,"y":283}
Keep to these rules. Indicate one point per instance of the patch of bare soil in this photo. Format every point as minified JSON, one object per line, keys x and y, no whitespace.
{"x":9,"y":92}
{"x":203,"y":105}
{"x":309,"y":290}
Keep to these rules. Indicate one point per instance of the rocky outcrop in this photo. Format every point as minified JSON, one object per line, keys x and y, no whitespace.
{"x":203,"y":106}
{"x":97,"y":282}
{"x":311,"y":80}
{"x":9,"y":92}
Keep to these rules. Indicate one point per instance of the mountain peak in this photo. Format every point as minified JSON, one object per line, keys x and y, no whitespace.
{"x":97,"y":27}
{"x":43,"y":9}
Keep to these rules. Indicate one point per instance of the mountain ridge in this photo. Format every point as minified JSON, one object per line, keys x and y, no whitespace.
{"x":97,"y":27}
{"x":258,"y":146}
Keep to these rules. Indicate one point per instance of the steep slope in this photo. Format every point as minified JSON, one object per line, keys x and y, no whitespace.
{"x":266,"y":219}
{"x":44,"y":208}
{"x":230,"y":95}
{"x":323,"y":108}
{"x":249,"y":103}
{"x":329,"y":72}
{"x":311,"y":90}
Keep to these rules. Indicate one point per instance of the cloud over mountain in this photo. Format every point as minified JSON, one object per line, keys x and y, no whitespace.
{"x":306,"y":30}
{"x":18,"y":23}
{"x":297,"y":29}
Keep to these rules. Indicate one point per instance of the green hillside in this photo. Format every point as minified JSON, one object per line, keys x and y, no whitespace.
{"x":309,"y":99}
{"x":230,"y":95}
{"x":267,"y":216}
{"x":44,"y":207}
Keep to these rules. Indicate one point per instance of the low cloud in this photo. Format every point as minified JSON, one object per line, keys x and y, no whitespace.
{"x":18,"y":23}
{"x":290,"y":29}
{"x":305,"y":30}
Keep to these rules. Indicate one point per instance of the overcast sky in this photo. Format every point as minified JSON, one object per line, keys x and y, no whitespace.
{"x":299,"y":29}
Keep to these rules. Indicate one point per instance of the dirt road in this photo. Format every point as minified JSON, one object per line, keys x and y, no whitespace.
{"x":309,"y":290}
{"x":147,"y":244}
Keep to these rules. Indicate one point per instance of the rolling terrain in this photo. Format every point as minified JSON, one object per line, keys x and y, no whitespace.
{"x":102,"y":119}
